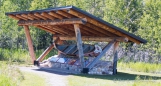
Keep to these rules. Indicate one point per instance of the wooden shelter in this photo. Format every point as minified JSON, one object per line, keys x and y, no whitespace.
{"x":72,"y":23}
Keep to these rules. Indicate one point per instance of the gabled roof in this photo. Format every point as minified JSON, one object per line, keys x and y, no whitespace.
{"x":93,"y":26}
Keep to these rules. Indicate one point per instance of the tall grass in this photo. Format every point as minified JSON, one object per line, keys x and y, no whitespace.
{"x":21,"y":55}
{"x":9,"y":75}
{"x":140,"y":67}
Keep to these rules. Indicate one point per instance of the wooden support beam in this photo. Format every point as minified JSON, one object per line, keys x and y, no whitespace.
{"x":21,"y":17}
{"x":33,"y":16}
{"x":79,"y":44}
{"x":107,"y":47}
{"x":89,"y":38}
{"x":42,"y":56}
{"x":38,"y":15}
{"x":27,"y":17}
{"x":99,"y":29}
{"x":91,"y":31}
{"x":116,"y":45}
{"x":53,"y":22}
{"x":14,"y":17}
{"x":59,"y":30}
{"x":65,"y":14}
{"x":47,"y":16}
{"x":55,"y":15}
{"x":29,"y":42}
{"x":46,"y":29}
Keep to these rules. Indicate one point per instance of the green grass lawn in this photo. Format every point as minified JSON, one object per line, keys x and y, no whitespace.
{"x":121,"y":79}
{"x":32,"y":79}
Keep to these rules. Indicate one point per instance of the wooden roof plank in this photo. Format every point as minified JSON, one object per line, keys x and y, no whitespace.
{"x":33,"y":16}
{"x":27,"y":17}
{"x":58,"y":30}
{"x":14,"y":17}
{"x":64,"y":14}
{"x":45,"y":29}
{"x":47,"y":15}
{"x":89,"y":25}
{"x":55,"y":15}
{"x":93,"y":31}
{"x":38,"y":15}
{"x":53,"y":29}
{"x":83,"y":32}
{"x":21,"y":17}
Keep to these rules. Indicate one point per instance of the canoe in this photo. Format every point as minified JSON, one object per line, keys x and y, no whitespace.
{"x":72,"y":50}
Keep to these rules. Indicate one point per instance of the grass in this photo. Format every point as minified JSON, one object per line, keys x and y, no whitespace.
{"x":130,"y":74}
{"x":10,"y":75}
{"x":121,"y":79}
{"x":32,"y":79}
{"x":140,"y":67}
{"x":21,"y":56}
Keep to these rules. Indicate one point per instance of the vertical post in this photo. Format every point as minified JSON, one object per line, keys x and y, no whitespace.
{"x":79,"y":44}
{"x":116,"y":45}
{"x":29,"y":42}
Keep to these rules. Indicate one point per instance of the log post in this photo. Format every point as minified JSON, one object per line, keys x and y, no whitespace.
{"x":116,"y":45}
{"x":79,"y":44}
{"x":29,"y":42}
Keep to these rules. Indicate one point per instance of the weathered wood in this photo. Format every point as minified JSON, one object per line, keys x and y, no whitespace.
{"x":91,"y":31}
{"x":21,"y":17}
{"x":47,"y":16}
{"x":27,"y":17}
{"x":60,"y":30}
{"x":99,"y":29}
{"x":79,"y":44}
{"x":107,"y":47}
{"x":14,"y":17}
{"x":83,"y":32}
{"x":33,"y":16}
{"x":89,"y":38}
{"x":29,"y":42}
{"x":42,"y":56}
{"x":53,"y":22}
{"x":38,"y":15}
{"x":55,"y":15}
{"x":45,"y":29}
{"x":94,"y":22}
{"x":116,"y":45}
{"x":65,"y":14}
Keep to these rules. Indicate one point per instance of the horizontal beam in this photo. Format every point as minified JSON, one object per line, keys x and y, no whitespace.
{"x":88,"y":38}
{"x":53,"y":22}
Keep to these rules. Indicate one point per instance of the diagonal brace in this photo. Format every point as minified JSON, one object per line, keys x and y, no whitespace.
{"x":107,"y":47}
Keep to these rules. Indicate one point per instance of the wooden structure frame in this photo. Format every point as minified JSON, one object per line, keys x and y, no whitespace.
{"x":72,"y":23}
